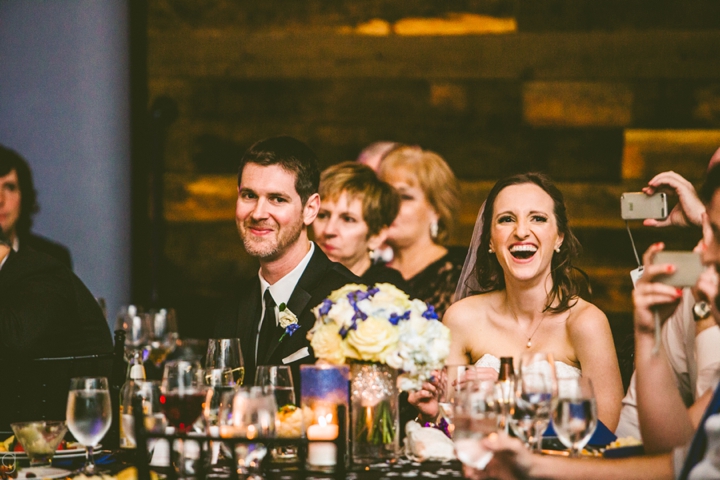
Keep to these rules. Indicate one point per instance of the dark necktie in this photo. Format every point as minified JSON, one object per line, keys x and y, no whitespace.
{"x":268,"y":327}
{"x":699,"y":443}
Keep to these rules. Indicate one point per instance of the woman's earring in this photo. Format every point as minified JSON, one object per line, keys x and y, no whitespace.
{"x":490,"y":250}
{"x":434,"y":229}
{"x":557,"y":249}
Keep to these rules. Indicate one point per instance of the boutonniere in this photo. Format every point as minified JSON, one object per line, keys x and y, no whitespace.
{"x":288,"y":321}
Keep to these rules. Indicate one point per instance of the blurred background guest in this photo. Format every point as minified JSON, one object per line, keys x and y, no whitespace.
{"x":373,"y":154}
{"x":429,"y":197}
{"x":355,"y":212}
{"x":18,"y":203}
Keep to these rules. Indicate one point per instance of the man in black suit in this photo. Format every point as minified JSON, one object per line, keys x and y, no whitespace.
{"x":277,"y":200}
{"x":18,"y":203}
{"x":45,"y":312}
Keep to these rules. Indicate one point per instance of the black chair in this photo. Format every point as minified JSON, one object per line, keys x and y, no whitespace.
{"x":37,"y":389}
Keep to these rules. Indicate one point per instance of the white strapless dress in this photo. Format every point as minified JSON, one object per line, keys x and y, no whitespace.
{"x":562,"y":370}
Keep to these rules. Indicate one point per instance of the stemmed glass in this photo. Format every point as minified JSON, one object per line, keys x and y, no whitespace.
{"x":476,"y":416}
{"x":253,"y":415}
{"x":278,"y":381}
{"x":183,"y":394}
{"x":452,"y":379}
{"x":535,"y":389}
{"x":163,"y":333}
{"x":149,"y":394}
{"x":575,"y":415}
{"x":224,"y":362}
{"x":89,"y":414}
{"x":137,"y":330}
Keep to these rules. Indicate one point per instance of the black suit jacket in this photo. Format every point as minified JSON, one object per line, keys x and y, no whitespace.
{"x":241,"y":315}
{"x":48,"y":247}
{"x":45,"y":312}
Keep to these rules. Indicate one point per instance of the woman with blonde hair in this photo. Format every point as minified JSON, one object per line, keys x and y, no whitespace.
{"x":429,"y":199}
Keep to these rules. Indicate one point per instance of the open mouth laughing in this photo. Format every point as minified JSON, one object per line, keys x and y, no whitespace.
{"x":523,"y":251}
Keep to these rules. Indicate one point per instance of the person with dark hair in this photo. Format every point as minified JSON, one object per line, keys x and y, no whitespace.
{"x":277,"y":200}
{"x":531,"y":296}
{"x":356,"y":210}
{"x":18,"y":204}
{"x":687,"y":452}
{"x":45,"y":311}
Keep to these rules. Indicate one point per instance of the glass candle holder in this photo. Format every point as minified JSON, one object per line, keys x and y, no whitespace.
{"x":323,"y":389}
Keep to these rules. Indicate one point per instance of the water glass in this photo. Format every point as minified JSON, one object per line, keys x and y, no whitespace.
{"x":575,"y":415}
{"x":535,"y":389}
{"x":89,"y":414}
{"x":476,"y":416}
{"x":278,"y":381}
{"x":451,"y":380}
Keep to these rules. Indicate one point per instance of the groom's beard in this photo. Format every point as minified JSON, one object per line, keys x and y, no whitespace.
{"x":274,"y":245}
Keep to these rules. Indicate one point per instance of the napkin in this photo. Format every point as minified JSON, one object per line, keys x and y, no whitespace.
{"x":425,"y":443}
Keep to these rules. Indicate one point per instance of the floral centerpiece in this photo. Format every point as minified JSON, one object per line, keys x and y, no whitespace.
{"x":381,"y":332}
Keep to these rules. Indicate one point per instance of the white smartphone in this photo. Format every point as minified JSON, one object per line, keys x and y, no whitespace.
{"x":639,"y":206}
{"x":688,"y":268}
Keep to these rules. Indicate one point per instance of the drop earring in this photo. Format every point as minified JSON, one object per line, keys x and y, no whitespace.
{"x":434,"y":229}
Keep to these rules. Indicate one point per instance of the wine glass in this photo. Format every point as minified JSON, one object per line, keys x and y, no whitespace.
{"x":535,"y":389}
{"x":253,"y":415}
{"x":137,"y":330}
{"x":575,"y":415}
{"x":89,"y":414}
{"x":149,"y":394}
{"x":278,"y":381}
{"x":224,"y":362}
{"x":476,"y":416}
{"x":183,"y":394}
{"x":163,"y":333}
{"x":451,"y":380}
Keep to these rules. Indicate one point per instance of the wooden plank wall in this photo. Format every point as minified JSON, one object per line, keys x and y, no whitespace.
{"x":600,"y":95}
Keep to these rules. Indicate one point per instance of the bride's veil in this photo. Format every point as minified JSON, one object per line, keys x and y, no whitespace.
{"x":467,"y":284}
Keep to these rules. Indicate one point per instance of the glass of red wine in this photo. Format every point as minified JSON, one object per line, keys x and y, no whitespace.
{"x":183,"y":396}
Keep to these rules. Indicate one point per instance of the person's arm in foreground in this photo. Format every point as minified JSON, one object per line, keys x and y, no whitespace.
{"x":511,"y":460}
{"x":664,"y":421}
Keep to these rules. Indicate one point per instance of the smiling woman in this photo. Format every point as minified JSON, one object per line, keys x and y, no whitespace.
{"x":355,"y":212}
{"x":531,"y":300}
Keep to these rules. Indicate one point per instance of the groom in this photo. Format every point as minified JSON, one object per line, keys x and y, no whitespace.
{"x":277,"y":200}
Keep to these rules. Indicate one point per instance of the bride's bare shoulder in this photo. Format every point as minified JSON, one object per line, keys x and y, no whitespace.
{"x":585,"y":313}
{"x":469,"y":309}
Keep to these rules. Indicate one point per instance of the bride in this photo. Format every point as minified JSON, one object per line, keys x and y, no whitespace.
{"x":531,"y":300}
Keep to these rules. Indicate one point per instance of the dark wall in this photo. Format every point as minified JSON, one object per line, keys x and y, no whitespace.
{"x":600,"y":95}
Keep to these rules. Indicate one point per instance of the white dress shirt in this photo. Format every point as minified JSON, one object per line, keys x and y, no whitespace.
{"x":281,"y":290}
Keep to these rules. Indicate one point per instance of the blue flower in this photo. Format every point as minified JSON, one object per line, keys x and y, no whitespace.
{"x":395,"y":318}
{"x":326,"y":306}
{"x":430,"y":313}
{"x":290,"y":329}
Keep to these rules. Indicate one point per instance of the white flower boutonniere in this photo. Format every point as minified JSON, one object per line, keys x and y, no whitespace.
{"x":288,"y":321}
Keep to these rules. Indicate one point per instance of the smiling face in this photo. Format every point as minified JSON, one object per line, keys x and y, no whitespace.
{"x":342,"y":233}
{"x":9,"y":203}
{"x":524,"y":232}
{"x":269,"y":213}
{"x":416,"y":214}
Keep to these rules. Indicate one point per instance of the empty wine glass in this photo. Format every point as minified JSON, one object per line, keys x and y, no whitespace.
{"x":278,"y":381}
{"x":535,"y":389}
{"x":253,"y":416}
{"x":476,"y":416}
{"x":224,"y":362}
{"x":575,"y":415}
{"x":89,"y":414}
{"x":163,"y":333}
{"x":137,"y":330}
{"x":451,"y":380}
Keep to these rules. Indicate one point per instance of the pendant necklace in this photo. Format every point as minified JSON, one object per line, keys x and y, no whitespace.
{"x":529,"y":339}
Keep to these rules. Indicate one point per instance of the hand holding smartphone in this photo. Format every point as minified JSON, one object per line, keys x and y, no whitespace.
{"x":639,"y":206}
{"x":688,"y":268}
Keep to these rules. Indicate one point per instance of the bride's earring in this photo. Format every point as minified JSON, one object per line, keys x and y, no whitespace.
{"x":557,"y":249}
{"x":490,"y":250}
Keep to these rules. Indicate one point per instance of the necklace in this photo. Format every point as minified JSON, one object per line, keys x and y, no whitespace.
{"x":529,"y":339}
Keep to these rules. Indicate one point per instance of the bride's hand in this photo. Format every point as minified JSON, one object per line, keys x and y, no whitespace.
{"x":426,"y":401}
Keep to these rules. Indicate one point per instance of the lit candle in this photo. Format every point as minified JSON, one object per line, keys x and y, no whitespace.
{"x":322,"y":454}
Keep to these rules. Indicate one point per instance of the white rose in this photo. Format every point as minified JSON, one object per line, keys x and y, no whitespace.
{"x":287,"y":318}
{"x":328,"y":345}
{"x":373,"y":340}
